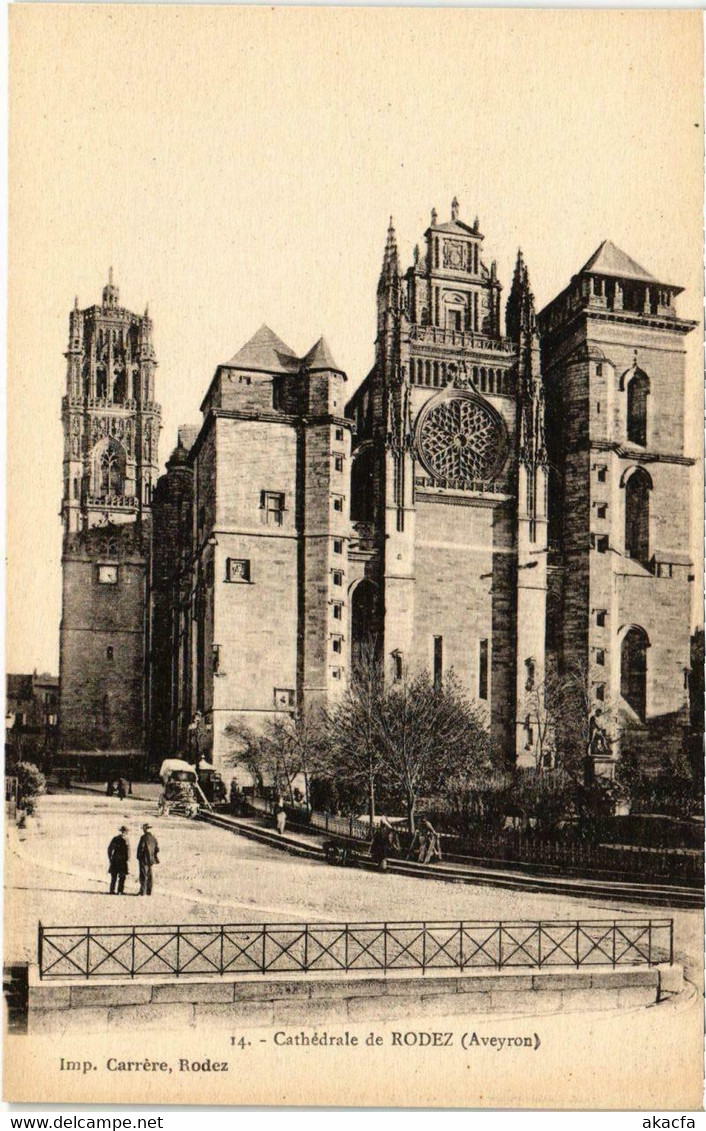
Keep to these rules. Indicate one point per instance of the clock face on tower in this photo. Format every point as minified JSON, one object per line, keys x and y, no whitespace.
{"x":108,"y":574}
{"x":461,"y":440}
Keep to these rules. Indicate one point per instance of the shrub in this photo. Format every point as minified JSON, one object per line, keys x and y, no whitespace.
{"x":30,"y":784}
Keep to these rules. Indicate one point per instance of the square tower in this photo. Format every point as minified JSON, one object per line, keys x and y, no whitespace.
{"x":111,"y":432}
{"x":266,"y":625}
{"x":620,"y":500}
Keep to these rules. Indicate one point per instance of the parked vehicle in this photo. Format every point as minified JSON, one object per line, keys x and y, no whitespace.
{"x":178,"y":797}
{"x":182,"y":791}
{"x":176,"y":769}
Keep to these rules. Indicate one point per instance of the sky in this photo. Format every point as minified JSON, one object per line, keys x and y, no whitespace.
{"x":239,"y":165}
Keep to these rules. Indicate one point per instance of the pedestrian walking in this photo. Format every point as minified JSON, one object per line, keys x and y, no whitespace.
{"x":118,"y":861}
{"x":147,"y":856}
{"x":280,"y":816}
{"x":120,"y":789}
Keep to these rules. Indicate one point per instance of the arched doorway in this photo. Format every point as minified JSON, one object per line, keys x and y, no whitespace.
{"x":633,"y":670}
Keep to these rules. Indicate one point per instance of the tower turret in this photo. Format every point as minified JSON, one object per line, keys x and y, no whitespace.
{"x":111,"y":294}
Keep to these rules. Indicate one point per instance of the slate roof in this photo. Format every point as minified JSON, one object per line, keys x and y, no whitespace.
{"x":319,"y":357}
{"x":610,"y":260}
{"x":265,"y":351}
{"x":269,"y":354}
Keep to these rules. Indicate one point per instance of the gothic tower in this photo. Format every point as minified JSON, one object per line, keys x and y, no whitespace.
{"x":448,"y":434}
{"x":620,"y":501}
{"x":111,"y":431}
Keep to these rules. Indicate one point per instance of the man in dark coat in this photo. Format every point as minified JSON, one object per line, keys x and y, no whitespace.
{"x":118,"y":857}
{"x":147,"y":855}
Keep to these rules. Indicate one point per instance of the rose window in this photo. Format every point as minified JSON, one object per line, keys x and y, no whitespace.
{"x":462,"y":440}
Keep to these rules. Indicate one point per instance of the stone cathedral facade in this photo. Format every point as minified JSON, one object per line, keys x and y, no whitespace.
{"x":506,"y":494}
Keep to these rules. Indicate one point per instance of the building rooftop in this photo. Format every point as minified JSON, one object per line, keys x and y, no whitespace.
{"x":265,"y":351}
{"x":319,"y":357}
{"x":187,"y":434}
{"x":611,"y":261}
{"x":457,"y":227}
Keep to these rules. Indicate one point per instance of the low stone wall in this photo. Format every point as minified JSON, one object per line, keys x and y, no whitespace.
{"x":307,"y":999}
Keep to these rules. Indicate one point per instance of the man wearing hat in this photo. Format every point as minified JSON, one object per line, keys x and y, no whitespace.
{"x":147,"y":855}
{"x":118,"y":857}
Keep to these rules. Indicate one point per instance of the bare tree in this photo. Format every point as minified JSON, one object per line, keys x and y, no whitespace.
{"x":425,"y":733}
{"x":287,"y":746}
{"x":249,"y":750}
{"x":353,"y":752}
{"x":566,"y":727}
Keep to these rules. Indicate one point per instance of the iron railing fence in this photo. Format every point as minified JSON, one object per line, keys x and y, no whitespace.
{"x":635,"y":862}
{"x":293,"y":948}
{"x":617,"y":861}
{"x":326,"y":822}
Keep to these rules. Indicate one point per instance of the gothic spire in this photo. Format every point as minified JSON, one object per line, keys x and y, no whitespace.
{"x":390,"y":263}
{"x":521,"y":327}
{"x":520,"y":312}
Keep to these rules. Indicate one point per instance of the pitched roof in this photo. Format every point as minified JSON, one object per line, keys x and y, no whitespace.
{"x":186,"y":435}
{"x":319,"y":357}
{"x":458,"y":227}
{"x":610,"y":260}
{"x":264,"y":351}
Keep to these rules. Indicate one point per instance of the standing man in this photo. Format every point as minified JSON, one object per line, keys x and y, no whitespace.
{"x":118,"y":857}
{"x":280,"y":816}
{"x":147,"y":855}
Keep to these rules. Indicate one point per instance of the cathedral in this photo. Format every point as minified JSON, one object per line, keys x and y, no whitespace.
{"x":505,"y":495}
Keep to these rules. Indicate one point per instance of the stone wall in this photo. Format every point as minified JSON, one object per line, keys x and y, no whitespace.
{"x":102,"y":649}
{"x":319,"y":999}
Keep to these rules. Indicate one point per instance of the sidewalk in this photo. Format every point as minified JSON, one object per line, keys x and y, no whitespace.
{"x":141,"y":791}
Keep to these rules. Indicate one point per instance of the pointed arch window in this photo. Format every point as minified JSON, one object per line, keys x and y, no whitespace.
{"x":637,"y":516}
{"x":109,"y":469}
{"x":101,"y":383}
{"x":638,"y":391}
{"x":633,"y":670}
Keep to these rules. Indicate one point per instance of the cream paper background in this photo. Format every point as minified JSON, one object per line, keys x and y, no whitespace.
{"x":238,"y":165}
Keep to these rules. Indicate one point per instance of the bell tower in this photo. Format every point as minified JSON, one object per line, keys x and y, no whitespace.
{"x":111,"y":422}
{"x":111,"y":431}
